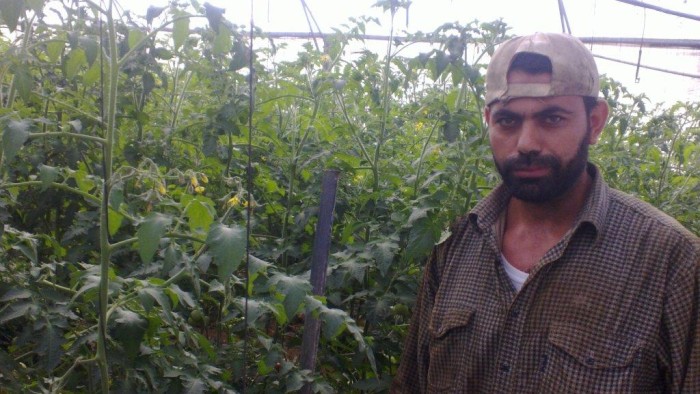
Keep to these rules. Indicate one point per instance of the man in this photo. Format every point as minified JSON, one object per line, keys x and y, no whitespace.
{"x":555,"y":282}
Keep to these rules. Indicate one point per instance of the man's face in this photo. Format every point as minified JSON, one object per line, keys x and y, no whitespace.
{"x":540,"y":145}
{"x":541,"y":178}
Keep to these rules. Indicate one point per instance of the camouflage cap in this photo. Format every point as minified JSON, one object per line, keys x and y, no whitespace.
{"x":574,"y":72}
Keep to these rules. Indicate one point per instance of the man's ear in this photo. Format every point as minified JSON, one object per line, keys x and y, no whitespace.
{"x":597,"y":119}
{"x":487,"y":114}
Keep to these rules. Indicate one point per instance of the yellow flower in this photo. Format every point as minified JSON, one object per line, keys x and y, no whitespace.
{"x":199,"y":189}
{"x":204,"y":178}
{"x":161,"y":189}
{"x":193,"y":181}
{"x":233,"y":201}
{"x":325,"y":58}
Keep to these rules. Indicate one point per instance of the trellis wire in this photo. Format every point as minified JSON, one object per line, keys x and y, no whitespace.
{"x":249,"y":187}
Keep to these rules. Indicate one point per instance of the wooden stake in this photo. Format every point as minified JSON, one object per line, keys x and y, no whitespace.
{"x":319,"y":266}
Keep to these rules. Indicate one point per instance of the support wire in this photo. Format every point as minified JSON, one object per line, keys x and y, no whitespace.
{"x":641,"y":44}
{"x":565,"y":27}
{"x":249,"y":187}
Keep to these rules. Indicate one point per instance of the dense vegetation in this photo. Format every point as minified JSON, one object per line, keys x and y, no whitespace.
{"x":127,"y":210}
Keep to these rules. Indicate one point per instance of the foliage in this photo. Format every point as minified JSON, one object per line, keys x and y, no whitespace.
{"x":136,"y":254}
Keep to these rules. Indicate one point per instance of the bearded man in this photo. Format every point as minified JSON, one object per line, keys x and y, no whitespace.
{"x":555,"y":282}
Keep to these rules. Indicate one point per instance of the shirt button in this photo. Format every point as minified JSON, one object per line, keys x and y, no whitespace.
{"x":505,"y":367}
{"x":515,"y":313}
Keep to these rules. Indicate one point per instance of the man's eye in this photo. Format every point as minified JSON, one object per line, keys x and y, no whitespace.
{"x":506,"y":122}
{"x":552,"y":119}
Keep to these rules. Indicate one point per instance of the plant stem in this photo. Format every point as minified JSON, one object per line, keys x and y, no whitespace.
{"x":67,"y":134}
{"x":422,"y":157}
{"x":57,"y":287}
{"x":105,"y":249}
{"x":296,"y":153}
{"x":365,"y":154}
{"x":71,"y":107}
{"x":386,"y":101}
{"x":57,"y":185}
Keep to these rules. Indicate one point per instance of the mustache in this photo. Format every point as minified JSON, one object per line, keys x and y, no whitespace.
{"x":523,"y":161}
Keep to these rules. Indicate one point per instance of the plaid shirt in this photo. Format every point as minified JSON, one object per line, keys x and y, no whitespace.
{"x":614,"y":307}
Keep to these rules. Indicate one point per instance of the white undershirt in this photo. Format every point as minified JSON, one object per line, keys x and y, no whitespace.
{"x":517,"y":277}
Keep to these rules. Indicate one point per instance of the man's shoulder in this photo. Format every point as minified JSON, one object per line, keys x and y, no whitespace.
{"x":638,"y":215}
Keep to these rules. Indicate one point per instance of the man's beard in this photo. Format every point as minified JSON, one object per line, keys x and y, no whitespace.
{"x":548,"y":188}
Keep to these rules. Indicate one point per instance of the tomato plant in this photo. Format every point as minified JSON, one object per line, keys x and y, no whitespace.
{"x":136,"y":254}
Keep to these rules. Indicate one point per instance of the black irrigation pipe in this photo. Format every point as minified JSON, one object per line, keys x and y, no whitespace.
{"x":649,"y":67}
{"x":659,"y":9}
{"x":647,"y":42}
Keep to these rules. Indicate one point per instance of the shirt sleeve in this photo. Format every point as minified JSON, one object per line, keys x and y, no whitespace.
{"x":681,"y":325}
{"x":413,"y":369}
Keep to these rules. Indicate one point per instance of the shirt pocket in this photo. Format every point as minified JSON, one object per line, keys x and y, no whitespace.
{"x":450,"y":331}
{"x":588,"y":360}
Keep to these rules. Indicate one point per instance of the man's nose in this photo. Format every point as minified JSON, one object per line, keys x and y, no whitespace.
{"x":529,"y":141}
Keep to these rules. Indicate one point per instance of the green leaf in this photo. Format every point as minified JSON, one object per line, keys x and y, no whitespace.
{"x":423,"y":236}
{"x":356,"y":333}
{"x":18,"y":310}
{"x":84,"y":180}
{"x":256,"y":266}
{"x":23,"y":81}
{"x":162,"y":53}
{"x":10,"y":11}
{"x":114,"y":220}
{"x":91,"y":49}
{"x":15,"y":135}
{"x":182,"y":296}
{"x":200,"y":212}
{"x":294,"y":289}
{"x":76,"y":124}
{"x":355,"y":268}
{"x":156,"y":294}
{"x":172,"y":256}
{"x":441,"y":63}
{"x":128,"y":330}
{"x":89,"y":288}
{"x":222,"y":42}
{"x":92,"y":75}
{"x":135,"y":37}
{"x":295,"y":381}
{"x":153,"y":12}
{"x":206,"y":345}
{"x":74,"y":61}
{"x":15,"y":294}
{"x":148,"y":82}
{"x":210,"y":143}
{"x":418,"y":213}
{"x":28,"y":248}
{"x":181,"y":30}
{"x":227,"y":246}
{"x":54,"y":49}
{"x":36,"y":5}
{"x":277,"y":310}
{"x":116,"y":197}
{"x":49,"y":347}
{"x":384,"y":255}
{"x":47,"y":175}
{"x":149,"y":234}
{"x":240,"y":57}
{"x":333,"y":322}
{"x":214,"y":16}
{"x":194,"y":386}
